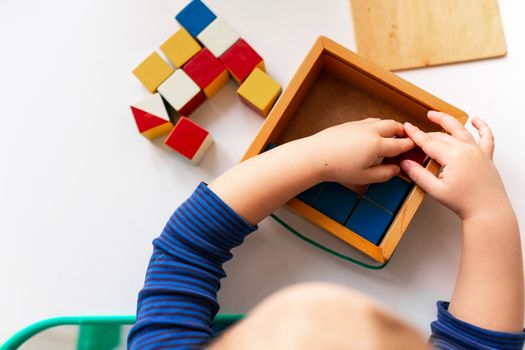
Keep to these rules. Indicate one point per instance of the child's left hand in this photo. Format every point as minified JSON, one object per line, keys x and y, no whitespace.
{"x":350,"y":153}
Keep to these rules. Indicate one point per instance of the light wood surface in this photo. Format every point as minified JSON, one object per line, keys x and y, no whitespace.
{"x":333,"y":85}
{"x":416,"y":33}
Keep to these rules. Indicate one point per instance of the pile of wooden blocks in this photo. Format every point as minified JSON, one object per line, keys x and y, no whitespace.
{"x":203,"y":54}
{"x":379,"y":201}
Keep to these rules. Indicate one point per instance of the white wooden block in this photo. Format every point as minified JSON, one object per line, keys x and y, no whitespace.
{"x":218,"y":37}
{"x":178,"y":89}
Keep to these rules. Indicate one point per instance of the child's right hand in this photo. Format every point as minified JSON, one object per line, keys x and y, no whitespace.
{"x":469,"y":183}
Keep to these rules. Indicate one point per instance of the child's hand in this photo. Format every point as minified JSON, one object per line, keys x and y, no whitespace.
{"x":469,"y":183}
{"x":350,"y":153}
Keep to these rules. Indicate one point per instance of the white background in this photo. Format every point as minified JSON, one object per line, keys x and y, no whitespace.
{"x":82,"y":194}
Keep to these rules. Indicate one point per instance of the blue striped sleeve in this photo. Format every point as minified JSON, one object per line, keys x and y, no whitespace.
{"x":179,"y":297}
{"x":450,"y":333}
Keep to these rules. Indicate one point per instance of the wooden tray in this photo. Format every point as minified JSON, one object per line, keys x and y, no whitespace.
{"x":333,"y":85}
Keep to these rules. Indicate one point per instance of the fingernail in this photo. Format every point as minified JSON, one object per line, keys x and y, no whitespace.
{"x":408,"y":124}
{"x":405,"y":164}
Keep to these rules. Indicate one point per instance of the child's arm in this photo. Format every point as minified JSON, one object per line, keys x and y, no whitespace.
{"x":489,"y":287}
{"x":347,"y":153}
{"x":179,"y":298}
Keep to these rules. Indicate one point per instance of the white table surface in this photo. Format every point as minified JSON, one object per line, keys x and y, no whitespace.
{"x":82,"y":194}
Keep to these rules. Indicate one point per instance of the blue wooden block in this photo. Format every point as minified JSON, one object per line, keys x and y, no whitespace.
{"x":369,"y":221}
{"x":310,"y":195}
{"x":336,"y":201}
{"x":269,"y":147}
{"x":195,"y":17}
{"x":389,"y":194}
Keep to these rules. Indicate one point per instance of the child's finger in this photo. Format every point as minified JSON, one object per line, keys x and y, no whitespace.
{"x":389,"y":128}
{"x":452,"y":126}
{"x":422,"y":177}
{"x":391,"y":147}
{"x":381,"y":173}
{"x":432,"y":145}
{"x":486,"y":138}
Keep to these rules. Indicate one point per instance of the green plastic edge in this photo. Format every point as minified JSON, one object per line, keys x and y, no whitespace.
{"x":221,"y":321}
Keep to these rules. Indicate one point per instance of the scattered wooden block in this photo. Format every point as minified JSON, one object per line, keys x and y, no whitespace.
{"x":218,"y":37}
{"x":336,"y":201}
{"x":151,"y":117}
{"x":259,"y":91}
{"x":207,"y":71}
{"x":416,"y":154}
{"x":195,"y":17}
{"x":182,"y":93}
{"x":241,"y":59}
{"x":153,"y":71}
{"x":369,"y":221}
{"x":389,"y":195}
{"x":310,"y":195}
{"x":189,"y":139}
{"x":180,"y":47}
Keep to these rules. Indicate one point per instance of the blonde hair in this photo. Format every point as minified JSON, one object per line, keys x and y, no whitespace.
{"x":320,"y":316}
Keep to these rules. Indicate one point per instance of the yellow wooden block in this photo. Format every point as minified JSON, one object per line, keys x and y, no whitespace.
{"x":217,"y":84}
{"x":260,"y":91}
{"x":180,"y":47}
{"x":158,"y":131}
{"x":153,"y":71}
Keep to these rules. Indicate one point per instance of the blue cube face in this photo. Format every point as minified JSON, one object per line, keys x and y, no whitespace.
{"x":195,"y":17}
{"x":369,"y":221}
{"x":310,"y":195}
{"x":269,"y":147}
{"x":336,"y":201}
{"x":389,"y":194}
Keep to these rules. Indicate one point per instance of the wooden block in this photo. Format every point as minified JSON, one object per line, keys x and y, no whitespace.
{"x":207,"y":71}
{"x":195,"y":17}
{"x":270,"y":146}
{"x":151,"y":117}
{"x":259,"y":91}
{"x":329,"y":77}
{"x":218,"y":37}
{"x":241,"y":59}
{"x":369,"y":221}
{"x":389,"y":195}
{"x":310,"y":195}
{"x":416,"y":154}
{"x":180,"y":47}
{"x":182,"y":93}
{"x":189,"y":139}
{"x":336,"y":201}
{"x":153,"y":71}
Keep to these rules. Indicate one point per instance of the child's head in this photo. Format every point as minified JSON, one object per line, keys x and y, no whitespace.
{"x":320,"y":316}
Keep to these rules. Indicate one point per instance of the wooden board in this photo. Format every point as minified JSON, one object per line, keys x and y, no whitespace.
{"x":400,"y":34}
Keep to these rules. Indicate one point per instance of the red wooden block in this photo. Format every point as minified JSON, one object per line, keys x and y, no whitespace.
{"x":416,"y":154}
{"x":207,"y":71}
{"x":189,"y":139}
{"x":241,"y":59}
{"x":151,"y":117}
{"x":146,"y":121}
